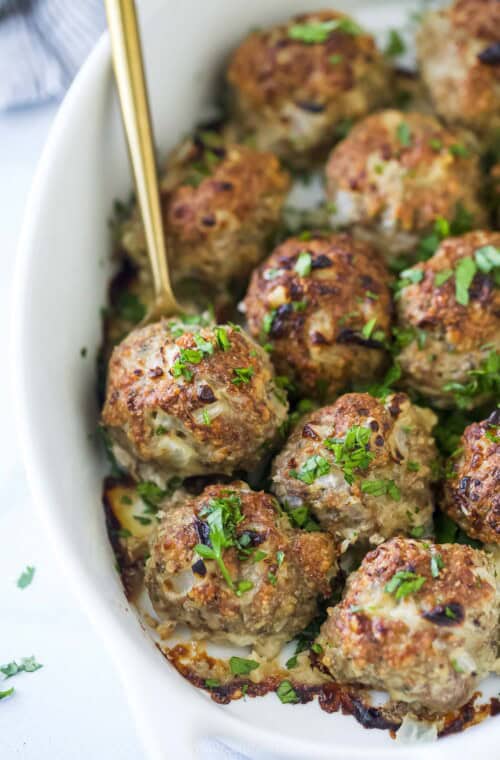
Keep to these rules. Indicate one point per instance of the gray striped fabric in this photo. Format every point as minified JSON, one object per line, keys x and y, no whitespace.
{"x":42,"y":45}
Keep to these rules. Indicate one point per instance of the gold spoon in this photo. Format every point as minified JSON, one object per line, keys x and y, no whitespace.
{"x":132,"y":91}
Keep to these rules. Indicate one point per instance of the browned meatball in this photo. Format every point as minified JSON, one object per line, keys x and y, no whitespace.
{"x":472,"y":486}
{"x":265,"y":581}
{"x":323,"y":304}
{"x":418,"y":620}
{"x":220,"y":205}
{"x":459,"y":55}
{"x":296,"y":85}
{"x":449,"y":318}
{"x":363,"y":466}
{"x":396,"y":173}
{"x":185,"y":402}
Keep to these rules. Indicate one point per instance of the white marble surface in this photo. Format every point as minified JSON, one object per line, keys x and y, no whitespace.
{"x":74,"y":706}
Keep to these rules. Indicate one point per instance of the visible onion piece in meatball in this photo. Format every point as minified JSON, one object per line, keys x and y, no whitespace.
{"x":229,"y":564}
{"x":363,"y":467}
{"x":417,"y":620}
{"x":459,"y":57}
{"x":294,"y":87}
{"x":186,"y":400}
{"x":322,"y":306}
{"x":449,"y":322}
{"x":221,"y":202}
{"x":396,"y":174}
{"x":472,"y":485}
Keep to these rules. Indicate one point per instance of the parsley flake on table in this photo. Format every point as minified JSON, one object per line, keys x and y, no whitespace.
{"x":26,"y":577}
{"x":7,"y":693}
{"x":242,"y":667}
{"x":351,"y":452}
{"x":27,"y":665}
{"x":403,"y":583}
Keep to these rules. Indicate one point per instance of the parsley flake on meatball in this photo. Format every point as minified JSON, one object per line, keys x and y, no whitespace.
{"x":363,"y":467}
{"x":229,"y":564}
{"x":220,"y":205}
{"x":472,"y":485}
{"x":459,"y":55}
{"x":417,"y":620}
{"x":184,"y":402}
{"x":449,"y":322}
{"x":297,"y":86}
{"x":396,"y":174}
{"x":322,"y":303}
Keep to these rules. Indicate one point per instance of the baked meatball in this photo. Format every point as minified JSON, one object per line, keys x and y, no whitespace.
{"x":472,"y":486}
{"x":363,"y":467}
{"x":396,"y":173}
{"x":417,"y":620}
{"x":295,"y":87}
{"x":449,"y":322}
{"x":459,"y":54}
{"x":181,"y":402}
{"x":220,"y":205}
{"x":265,"y":581}
{"x":323,"y":304}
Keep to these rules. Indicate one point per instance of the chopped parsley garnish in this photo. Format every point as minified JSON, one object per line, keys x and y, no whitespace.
{"x":179,"y":369}
{"x":272,"y":273}
{"x":462,"y":222}
{"x":404,"y":134}
{"x":368,"y":328}
{"x":291,"y":662}
{"x":206,"y":417}
{"x":7,"y":693}
{"x":242,"y":667}
{"x":272,"y":578}
{"x":204,"y":345}
{"x":287,"y":693}
{"x":464,"y":274}
{"x":435,"y":144}
{"x":383,"y":389}
{"x":395,"y":45}
{"x":314,"y":467}
{"x":315,"y":32}
{"x":212,"y":683}
{"x":222,"y":338}
{"x":412,"y":466}
{"x":381,"y":488}
{"x":26,"y":577}
{"x":441,"y":277}
{"x":417,"y":532}
{"x":336,"y":59}
{"x":437,"y":564}
{"x":303,"y":265}
{"x":403,"y":583}
{"x":243,"y":375}
{"x":130,"y":308}
{"x":317,"y":648}
{"x":151,"y":493}
{"x":258,"y":555}
{"x":485,"y":380}
{"x":300,"y":516}
{"x":191,"y":355}
{"x":488,"y":261}
{"x":351,"y":452}
{"x":457,"y":667}
{"x":27,"y":665}
{"x":243,"y":586}
{"x":449,"y":613}
{"x":459,"y":150}
{"x":222,"y":515}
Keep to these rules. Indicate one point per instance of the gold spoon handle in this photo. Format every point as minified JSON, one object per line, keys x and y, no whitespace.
{"x":131,"y":83}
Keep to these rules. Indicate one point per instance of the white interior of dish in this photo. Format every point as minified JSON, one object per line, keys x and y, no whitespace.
{"x":61,"y":284}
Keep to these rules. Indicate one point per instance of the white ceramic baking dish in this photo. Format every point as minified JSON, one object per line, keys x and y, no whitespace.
{"x":62,"y":274}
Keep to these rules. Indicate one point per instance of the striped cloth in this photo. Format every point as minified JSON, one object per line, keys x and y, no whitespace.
{"x":42,"y":45}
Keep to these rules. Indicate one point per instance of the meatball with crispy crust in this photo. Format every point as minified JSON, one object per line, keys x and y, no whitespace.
{"x":323,"y":304}
{"x":472,"y":486}
{"x":396,"y":173}
{"x":449,"y":322}
{"x":220,"y":205}
{"x":183,"y":402}
{"x":296,"y":86}
{"x":417,"y":620}
{"x":363,"y":467}
{"x":459,"y":54}
{"x":264,"y":581}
